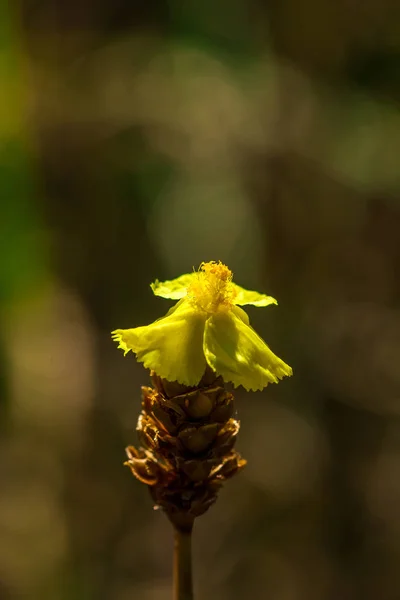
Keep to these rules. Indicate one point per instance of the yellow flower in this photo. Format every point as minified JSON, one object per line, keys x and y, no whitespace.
{"x":206,"y":327}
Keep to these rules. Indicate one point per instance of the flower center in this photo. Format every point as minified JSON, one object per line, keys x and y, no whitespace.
{"x":212,"y":289}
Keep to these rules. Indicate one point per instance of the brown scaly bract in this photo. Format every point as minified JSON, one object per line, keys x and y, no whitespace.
{"x":187,"y":435}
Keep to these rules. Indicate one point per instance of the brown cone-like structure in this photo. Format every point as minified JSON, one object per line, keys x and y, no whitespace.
{"x":187,"y":435}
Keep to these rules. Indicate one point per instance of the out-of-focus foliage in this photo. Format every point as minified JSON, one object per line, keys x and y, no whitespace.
{"x":137,"y":140}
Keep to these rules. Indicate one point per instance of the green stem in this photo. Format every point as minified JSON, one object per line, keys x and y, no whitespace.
{"x":183,"y":583}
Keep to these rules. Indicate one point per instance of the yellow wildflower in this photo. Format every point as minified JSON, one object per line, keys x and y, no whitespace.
{"x":206,"y":327}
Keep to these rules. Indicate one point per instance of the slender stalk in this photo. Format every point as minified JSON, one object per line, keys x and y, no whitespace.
{"x":183,"y":583}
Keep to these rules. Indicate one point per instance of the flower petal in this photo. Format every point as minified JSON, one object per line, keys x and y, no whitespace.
{"x":250,"y":297}
{"x":235,"y":351}
{"x":171,"y":346}
{"x":174,"y":289}
{"x":242,"y":314}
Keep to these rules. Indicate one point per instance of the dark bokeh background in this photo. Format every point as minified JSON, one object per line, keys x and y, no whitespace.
{"x":138,"y":139}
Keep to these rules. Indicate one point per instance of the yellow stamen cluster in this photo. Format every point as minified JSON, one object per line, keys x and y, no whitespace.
{"x":212,"y":289}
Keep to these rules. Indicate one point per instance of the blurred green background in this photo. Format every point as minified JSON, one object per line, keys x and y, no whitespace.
{"x":138,"y":139}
